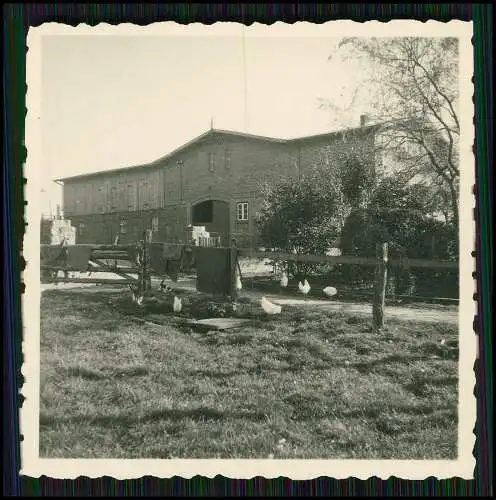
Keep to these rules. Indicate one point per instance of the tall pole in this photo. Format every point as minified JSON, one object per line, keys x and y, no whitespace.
{"x":180,"y":163}
{"x":245,"y":79}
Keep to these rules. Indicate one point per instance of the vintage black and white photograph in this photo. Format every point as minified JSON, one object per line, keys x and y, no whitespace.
{"x":254,"y":249}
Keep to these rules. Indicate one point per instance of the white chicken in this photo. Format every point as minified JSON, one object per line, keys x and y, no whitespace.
{"x":269,"y":307}
{"x":134,"y":291}
{"x":304,"y":288}
{"x":178,"y":304}
{"x":284,"y":280}
{"x":239,"y":285}
{"x":330,"y":291}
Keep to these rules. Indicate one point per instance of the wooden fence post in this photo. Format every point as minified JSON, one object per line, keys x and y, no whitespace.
{"x":233,"y":269}
{"x":380,"y":285}
{"x":147,"y":280}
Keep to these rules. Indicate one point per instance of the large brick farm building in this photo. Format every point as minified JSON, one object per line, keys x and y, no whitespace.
{"x":212,"y":181}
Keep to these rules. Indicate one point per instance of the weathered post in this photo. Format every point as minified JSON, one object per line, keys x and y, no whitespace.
{"x":147,"y":280}
{"x":380,"y":285}
{"x":140,"y":262}
{"x":233,"y":269}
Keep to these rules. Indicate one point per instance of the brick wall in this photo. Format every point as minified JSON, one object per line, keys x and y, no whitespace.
{"x":220,"y":167}
{"x":133,"y":190}
{"x":103,"y":228}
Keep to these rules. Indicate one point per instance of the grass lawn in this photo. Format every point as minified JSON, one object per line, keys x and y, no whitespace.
{"x":298,"y":385}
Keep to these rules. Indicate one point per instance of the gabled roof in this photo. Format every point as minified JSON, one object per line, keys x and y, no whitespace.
{"x":211,"y":132}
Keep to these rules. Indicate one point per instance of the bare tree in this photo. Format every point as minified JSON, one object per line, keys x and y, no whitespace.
{"x":413,"y":91}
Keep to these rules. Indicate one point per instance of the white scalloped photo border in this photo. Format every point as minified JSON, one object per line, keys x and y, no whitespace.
{"x":34,"y":466}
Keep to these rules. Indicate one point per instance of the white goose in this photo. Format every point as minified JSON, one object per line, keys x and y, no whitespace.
{"x":304,"y":288}
{"x":239,"y":285}
{"x":284,"y":280}
{"x":178,"y":304}
{"x":330,"y":291}
{"x":269,"y":307}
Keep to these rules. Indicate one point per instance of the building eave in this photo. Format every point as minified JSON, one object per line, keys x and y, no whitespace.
{"x":211,"y":132}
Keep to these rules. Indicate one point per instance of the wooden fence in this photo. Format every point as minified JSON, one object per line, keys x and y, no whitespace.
{"x":347,"y":259}
{"x":100,"y":255}
{"x":380,"y":263}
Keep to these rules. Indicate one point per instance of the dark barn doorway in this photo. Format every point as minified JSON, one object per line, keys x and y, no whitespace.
{"x":214,"y":215}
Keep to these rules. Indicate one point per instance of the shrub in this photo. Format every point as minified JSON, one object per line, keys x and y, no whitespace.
{"x":300,"y":216}
{"x":409,"y":234}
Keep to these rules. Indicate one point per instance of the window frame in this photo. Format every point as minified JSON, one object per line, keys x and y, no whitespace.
{"x":123,"y":226}
{"x":243,"y":205}
{"x":155,"y":223}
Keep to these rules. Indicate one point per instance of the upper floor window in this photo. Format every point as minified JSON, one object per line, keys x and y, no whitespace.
{"x":242,"y":211}
{"x":131,"y":197}
{"x":228,"y":159}
{"x":155,"y":223}
{"x":211,"y":162}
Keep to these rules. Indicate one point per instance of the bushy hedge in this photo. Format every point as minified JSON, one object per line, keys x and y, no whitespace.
{"x":409,"y":234}
{"x":299,"y":216}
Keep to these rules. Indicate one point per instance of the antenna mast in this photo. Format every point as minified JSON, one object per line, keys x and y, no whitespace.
{"x":244,"y":79}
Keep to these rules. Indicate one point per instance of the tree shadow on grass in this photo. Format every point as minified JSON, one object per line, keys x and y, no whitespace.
{"x":421,"y":386}
{"x":199,"y":414}
{"x":261,"y":369}
{"x":108,"y":373}
{"x":365,"y":366}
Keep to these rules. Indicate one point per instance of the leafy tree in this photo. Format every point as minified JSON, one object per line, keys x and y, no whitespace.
{"x":412,"y":86}
{"x":300,"y":216}
{"x":401,"y":215}
{"x":356,"y":178}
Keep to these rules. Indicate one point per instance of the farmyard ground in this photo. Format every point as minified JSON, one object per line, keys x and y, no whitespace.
{"x":309,"y":383}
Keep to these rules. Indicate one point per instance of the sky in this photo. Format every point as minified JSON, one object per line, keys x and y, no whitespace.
{"x":117,"y":101}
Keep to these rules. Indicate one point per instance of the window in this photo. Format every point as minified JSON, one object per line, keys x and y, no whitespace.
{"x":123,"y":226}
{"x":131,"y":198}
{"x":242,"y":211}
{"x":155,"y":223}
{"x":228,"y":159}
{"x":211,"y":162}
{"x":81,"y":228}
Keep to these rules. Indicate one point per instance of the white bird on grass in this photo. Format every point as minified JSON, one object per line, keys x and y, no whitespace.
{"x":239,"y":285}
{"x":284,"y":280}
{"x":134,"y":291}
{"x":178,"y":304}
{"x":269,"y":307}
{"x":304,"y":288}
{"x":330,"y":291}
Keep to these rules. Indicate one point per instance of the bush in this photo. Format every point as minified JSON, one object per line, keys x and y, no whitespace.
{"x":300,"y":216}
{"x":409,"y":234}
